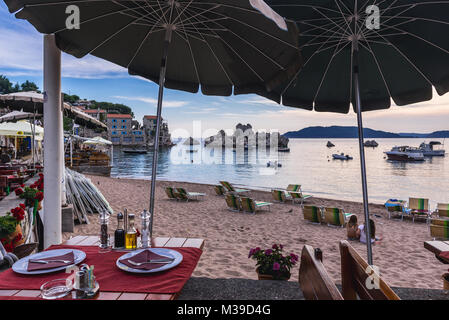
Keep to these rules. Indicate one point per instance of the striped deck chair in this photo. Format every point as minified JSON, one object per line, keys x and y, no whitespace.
{"x":299,"y":197}
{"x":442,"y":209}
{"x":418,"y":208}
{"x":312,"y":214}
{"x":293,"y":187}
{"x":219,"y":190}
{"x":182,"y":194}
{"x":279,"y":195}
{"x":335,"y":216}
{"x":250,"y":205}
{"x":230,"y":188}
{"x":439,"y":229}
{"x":171,"y":193}
{"x":395,"y":208}
{"x":233,"y":202}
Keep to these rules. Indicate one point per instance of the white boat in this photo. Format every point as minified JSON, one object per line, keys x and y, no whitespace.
{"x":429,"y":151}
{"x":405,"y":153}
{"x":341,"y":156}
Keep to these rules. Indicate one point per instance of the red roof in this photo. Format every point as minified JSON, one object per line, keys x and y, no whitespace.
{"x":94,"y":111}
{"x":119,"y":116}
{"x":150,"y":117}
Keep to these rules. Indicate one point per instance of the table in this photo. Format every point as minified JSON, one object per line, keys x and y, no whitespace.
{"x":94,"y":240}
{"x":437,"y":247}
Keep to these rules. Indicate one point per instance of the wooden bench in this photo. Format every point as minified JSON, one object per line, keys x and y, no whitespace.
{"x":355,"y":272}
{"x":315,"y":282}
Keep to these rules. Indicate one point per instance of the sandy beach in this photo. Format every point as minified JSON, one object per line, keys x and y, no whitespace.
{"x":401,"y":257}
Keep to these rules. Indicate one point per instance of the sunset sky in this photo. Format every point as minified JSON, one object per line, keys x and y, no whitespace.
{"x":93,"y":78}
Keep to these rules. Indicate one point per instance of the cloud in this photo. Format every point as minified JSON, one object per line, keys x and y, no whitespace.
{"x":202,"y":111}
{"x":166,"y":103}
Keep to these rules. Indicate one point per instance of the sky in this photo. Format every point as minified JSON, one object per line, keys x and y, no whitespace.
{"x":96,"y":79}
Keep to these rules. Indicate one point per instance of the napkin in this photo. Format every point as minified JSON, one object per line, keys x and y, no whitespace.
{"x":34,"y":266}
{"x":145,"y":256}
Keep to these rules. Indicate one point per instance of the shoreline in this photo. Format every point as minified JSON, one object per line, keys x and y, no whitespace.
{"x":228,"y":235}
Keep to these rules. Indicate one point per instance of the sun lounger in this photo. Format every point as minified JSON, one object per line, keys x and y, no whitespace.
{"x":312,"y":214}
{"x":171,"y":193}
{"x":335,"y":217}
{"x":442,"y":210}
{"x":293,"y":187}
{"x":250,"y":205}
{"x":233,"y":202}
{"x":219,"y":190}
{"x":359,"y":280}
{"x":279,"y":195}
{"x":395,"y":208}
{"x":298,"y":196}
{"x":439,"y":229}
{"x":418,"y":208}
{"x":315,"y":282}
{"x":182,"y":194}
{"x":230,"y":188}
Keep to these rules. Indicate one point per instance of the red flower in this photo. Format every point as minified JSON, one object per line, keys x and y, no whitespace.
{"x":18,"y":238}
{"x":40,"y":186}
{"x":8,"y":247}
{"x":39,"y":196}
{"x":22,"y":185}
{"x":18,"y":191}
{"x":41,"y":174}
{"x":22,"y":205}
{"x":138,"y":232}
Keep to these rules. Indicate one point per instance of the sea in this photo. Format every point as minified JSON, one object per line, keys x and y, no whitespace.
{"x":309,"y":163}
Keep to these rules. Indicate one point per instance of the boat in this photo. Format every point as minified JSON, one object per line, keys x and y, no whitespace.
{"x":136,"y":151}
{"x":405,"y":153}
{"x":330,"y":144}
{"x":371,"y":143}
{"x":274,"y":164}
{"x":429,"y":151}
{"x":341,"y":156}
{"x":283,"y":149}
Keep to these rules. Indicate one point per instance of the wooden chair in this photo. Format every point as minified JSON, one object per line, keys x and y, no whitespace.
{"x":442,"y":209}
{"x":312,"y":214}
{"x":334,"y":216}
{"x":355,"y":274}
{"x":315,"y":282}
{"x":233,"y":202}
{"x":419,"y":208}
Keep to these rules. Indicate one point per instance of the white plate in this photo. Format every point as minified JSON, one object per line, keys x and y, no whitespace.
{"x":161,"y":251}
{"x":21,"y":265}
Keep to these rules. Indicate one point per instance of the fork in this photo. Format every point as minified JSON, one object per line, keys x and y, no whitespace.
{"x":48,"y":261}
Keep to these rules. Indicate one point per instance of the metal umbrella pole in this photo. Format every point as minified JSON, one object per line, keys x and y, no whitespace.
{"x":168,"y":36}
{"x":358,"y":106}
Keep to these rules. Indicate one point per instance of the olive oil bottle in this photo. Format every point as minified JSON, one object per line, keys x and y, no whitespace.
{"x":131,"y":234}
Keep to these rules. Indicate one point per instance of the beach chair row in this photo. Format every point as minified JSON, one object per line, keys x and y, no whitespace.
{"x":326,"y":215}
{"x":416,"y":208}
{"x":182,"y":194}
{"x":293,"y":193}
{"x":246,"y":204}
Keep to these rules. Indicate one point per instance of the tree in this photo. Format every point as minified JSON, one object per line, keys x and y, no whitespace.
{"x":5,"y":85}
{"x":29,"y":86}
{"x":71,"y":98}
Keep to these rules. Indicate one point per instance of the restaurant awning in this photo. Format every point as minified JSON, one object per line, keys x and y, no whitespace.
{"x":21,"y":129}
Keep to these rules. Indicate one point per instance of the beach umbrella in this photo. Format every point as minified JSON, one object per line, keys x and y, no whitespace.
{"x":224,"y":46}
{"x":98,"y":140}
{"x":18,"y":115}
{"x":367,"y":52}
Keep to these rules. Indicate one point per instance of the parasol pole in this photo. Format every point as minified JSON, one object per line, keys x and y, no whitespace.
{"x":168,"y":36}
{"x":358,"y":106}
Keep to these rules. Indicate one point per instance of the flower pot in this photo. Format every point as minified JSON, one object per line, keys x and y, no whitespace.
{"x":445,"y":278}
{"x":262,"y":276}
{"x":14,"y":234}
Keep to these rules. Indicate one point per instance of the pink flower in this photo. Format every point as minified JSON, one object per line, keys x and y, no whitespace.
{"x":251,"y":252}
{"x":268,"y":252}
{"x":294,"y":257}
{"x":275,"y":246}
{"x":276,"y":266}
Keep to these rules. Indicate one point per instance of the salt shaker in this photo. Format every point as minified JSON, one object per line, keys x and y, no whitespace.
{"x":145,"y":236}
{"x":104,"y":234}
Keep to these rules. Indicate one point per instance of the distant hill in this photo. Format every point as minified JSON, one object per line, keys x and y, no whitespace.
{"x":351,"y":132}
{"x":339,"y":132}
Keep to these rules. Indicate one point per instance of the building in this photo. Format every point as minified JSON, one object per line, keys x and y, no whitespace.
{"x":149,"y":127}
{"x":98,"y":114}
{"x":122,"y":130}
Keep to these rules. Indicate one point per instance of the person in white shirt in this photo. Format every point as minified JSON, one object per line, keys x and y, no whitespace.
{"x":362,"y":234}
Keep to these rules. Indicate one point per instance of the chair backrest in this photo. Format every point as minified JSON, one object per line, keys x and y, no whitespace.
{"x":181,"y":190}
{"x":227,"y":185}
{"x":315,"y":282}
{"x":170,"y":192}
{"x":419,"y":204}
{"x":182,"y":195}
{"x":443,"y":209}
{"x":219,"y":190}
{"x":294,"y":187}
{"x":232,"y":201}
{"x":278,"y":195}
{"x":439,"y":231}
{"x":248,"y":204}
{"x":296,"y":194}
{"x":359,"y":280}
{"x":334,"y":216}
{"x":440,"y":222}
{"x":312,"y":213}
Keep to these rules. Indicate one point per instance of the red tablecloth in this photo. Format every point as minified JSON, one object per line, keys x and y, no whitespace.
{"x":110,"y":277}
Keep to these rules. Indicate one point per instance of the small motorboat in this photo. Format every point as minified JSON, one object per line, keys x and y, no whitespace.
{"x":405,"y":153}
{"x":274,"y":164}
{"x":136,"y":151}
{"x":371,"y":143}
{"x":330,"y":144}
{"x":341,"y":156}
{"x":428,"y":149}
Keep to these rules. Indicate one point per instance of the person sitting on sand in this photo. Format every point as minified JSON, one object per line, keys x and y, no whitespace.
{"x":362,"y":235}
{"x":352,"y":227}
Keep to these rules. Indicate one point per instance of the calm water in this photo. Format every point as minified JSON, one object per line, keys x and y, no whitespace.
{"x":308,"y":163}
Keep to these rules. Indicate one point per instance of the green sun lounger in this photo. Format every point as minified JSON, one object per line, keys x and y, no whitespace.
{"x":182,"y":194}
{"x":250,"y":205}
{"x":312,"y":214}
{"x":230,"y":188}
{"x":233,"y":202}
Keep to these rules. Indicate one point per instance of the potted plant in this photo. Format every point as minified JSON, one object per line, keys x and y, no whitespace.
{"x":272,"y":264}
{"x":10,"y":229}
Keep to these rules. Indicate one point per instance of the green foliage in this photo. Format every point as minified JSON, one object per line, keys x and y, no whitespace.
{"x":67,"y":123}
{"x":29,"y":193}
{"x":71,"y":98}
{"x":8,"y":225}
{"x":7,"y":87}
{"x":273,"y":262}
{"x":29,"y":86}
{"x":111,"y":107}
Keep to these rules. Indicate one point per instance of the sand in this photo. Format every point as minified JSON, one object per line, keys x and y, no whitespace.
{"x":400,"y":256}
